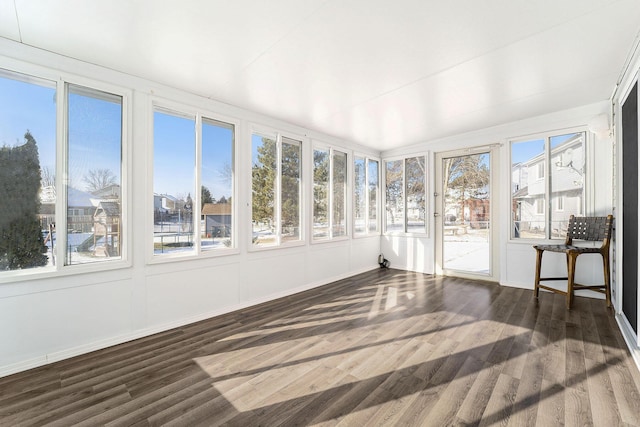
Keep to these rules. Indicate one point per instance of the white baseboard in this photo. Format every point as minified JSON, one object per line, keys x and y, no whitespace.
{"x":630,"y":337}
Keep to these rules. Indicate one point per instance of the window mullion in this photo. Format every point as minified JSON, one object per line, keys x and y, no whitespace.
{"x":62,"y":150}
{"x":548,"y":187}
{"x":404,"y":194}
{"x":277,"y":190}
{"x":330,"y":195}
{"x":365,"y":189}
{"x":197,"y":197}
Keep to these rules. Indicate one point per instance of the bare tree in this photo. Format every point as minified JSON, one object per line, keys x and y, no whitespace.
{"x":97,"y":179}
{"x":48,"y":177}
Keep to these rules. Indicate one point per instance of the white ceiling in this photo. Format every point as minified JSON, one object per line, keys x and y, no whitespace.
{"x":382,"y":73}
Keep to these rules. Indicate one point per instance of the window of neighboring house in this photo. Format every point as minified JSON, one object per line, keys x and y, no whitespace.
{"x":329,"y":193}
{"x":276,"y":190}
{"x":27,"y":172}
{"x":174,"y":160}
{"x":94,"y":171}
{"x":405,"y":191}
{"x":365,"y":209}
{"x":540,"y":170}
{"x":193,"y":184}
{"x":562,"y":188}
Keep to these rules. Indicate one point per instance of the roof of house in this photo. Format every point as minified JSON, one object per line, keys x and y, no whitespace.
{"x":216,"y":209}
{"x":109,"y":208}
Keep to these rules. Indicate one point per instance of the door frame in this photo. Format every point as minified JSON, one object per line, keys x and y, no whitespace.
{"x":494,"y":196}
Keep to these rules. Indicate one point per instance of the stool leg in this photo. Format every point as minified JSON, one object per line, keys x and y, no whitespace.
{"x":538,"y":267}
{"x":571,"y":273}
{"x":607,"y":278}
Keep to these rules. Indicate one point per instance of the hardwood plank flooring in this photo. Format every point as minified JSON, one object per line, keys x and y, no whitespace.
{"x":386,"y":347}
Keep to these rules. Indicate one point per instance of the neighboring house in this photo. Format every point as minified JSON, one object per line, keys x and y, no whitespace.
{"x":109,"y":192}
{"x":217,"y":218}
{"x":529,"y":186}
{"x":81,"y":207}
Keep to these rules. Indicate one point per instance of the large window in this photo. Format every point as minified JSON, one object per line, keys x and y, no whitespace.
{"x":405,"y":191}
{"x":87,"y":184}
{"x":276,"y":190}
{"x":542,"y":202}
{"x":365,"y":195}
{"x":329,"y":194}
{"x":192,"y":200}
{"x":94,"y":171}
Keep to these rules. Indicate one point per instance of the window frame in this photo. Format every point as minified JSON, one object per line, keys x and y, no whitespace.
{"x":367,"y":223}
{"x":547,"y":208}
{"x":34,"y":74}
{"x":348,"y":215}
{"x":277,"y":135}
{"x":158,"y":104}
{"x":383,"y":181}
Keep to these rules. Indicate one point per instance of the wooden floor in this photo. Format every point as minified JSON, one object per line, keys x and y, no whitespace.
{"x":383,"y":348}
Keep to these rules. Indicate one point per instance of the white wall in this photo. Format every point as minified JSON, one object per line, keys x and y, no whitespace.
{"x":48,"y":319}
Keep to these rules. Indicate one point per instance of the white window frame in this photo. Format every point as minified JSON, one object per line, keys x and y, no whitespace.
{"x":33,"y":74}
{"x":560,"y":204}
{"x":587,"y":192}
{"x":383,"y":181}
{"x":367,"y":222}
{"x":348,"y":190}
{"x":158,"y":104}
{"x":278,"y":136}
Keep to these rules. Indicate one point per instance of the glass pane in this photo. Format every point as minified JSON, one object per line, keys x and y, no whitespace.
{"x":567,"y":180}
{"x":394,"y":196}
{"x":290,"y":189}
{"x":374,"y":183}
{"x":360,"y":196}
{"x":415,"y":193}
{"x":94,"y":176}
{"x":27,"y":173}
{"x":466,"y":214}
{"x":338,"y":218}
{"x":217,"y":185}
{"x":528,"y":186}
{"x":174,"y":159}
{"x":263,"y":197}
{"x":321,"y":194}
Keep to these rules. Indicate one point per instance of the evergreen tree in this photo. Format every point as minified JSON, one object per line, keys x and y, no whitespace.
{"x":290,"y":186}
{"x":205,"y":196}
{"x":263,"y":181}
{"x":21,"y":241}
{"x":321,"y":186}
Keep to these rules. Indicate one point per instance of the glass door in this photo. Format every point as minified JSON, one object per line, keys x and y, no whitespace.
{"x":464,"y":205}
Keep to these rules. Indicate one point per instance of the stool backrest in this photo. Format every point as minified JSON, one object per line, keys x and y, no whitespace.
{"x":590,"y":228}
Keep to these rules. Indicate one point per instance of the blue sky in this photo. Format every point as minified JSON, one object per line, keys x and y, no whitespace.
{"x":94,"y":138}
{"x":175,"y":151}
{"x":30,"y":107}
{"x":526,"y":150}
